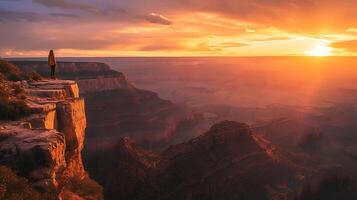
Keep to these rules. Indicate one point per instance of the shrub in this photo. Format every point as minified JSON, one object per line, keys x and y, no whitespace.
{"x":33,"y":76}
{"x":13,"y":187}
{"x":12,"y":95}
{"x":10,"y":71}
{"x":13,"y":109}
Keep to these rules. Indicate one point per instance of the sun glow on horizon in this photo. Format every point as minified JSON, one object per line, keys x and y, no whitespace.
{"x":320,"y":50}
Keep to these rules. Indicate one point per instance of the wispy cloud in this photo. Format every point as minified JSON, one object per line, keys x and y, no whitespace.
{"x":150,"y":26}
{"x":349,"y":45}
{"x":65,"y":4}
{"x":156,"y":19}
{"x":8,"y":15}
{"x":64,"y":15}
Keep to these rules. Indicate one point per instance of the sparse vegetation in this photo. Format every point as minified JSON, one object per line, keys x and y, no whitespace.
{"x":10,"y":71}
{"x":12,"y":101}
{"x":13,"y":109}
{"x":12,"y":95}
{"x":33,"y":76}
{"x":13,"y":187}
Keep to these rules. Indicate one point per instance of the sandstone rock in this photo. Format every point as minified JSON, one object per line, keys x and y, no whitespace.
{"x":50,"y":93}
{"x":46,"y":147}
{"x":55,"y":87}
{"x":72,"y":122}
{"x":47,"y":120}
{"x":37,"y":154}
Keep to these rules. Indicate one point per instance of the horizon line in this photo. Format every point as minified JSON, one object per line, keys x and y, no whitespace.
{"x":280,"y":56}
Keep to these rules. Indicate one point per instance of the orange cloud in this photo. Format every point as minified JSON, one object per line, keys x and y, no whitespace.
{"x":350,"y":45}
{"x":176,"y":27}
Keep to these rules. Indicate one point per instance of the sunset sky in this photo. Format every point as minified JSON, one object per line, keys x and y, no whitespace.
{"x":178,"y":27}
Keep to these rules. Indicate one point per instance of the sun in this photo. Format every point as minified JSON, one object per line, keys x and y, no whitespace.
{"x":320,"y":50}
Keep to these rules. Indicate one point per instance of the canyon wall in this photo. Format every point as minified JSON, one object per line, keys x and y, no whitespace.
{"x":90,"y":76}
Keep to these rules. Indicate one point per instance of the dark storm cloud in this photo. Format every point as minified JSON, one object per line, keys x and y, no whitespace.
{"x":65,"y":4}
{"x":8,"y":15}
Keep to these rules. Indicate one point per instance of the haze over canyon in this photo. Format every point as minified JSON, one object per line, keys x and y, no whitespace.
{"x":290,"y":135}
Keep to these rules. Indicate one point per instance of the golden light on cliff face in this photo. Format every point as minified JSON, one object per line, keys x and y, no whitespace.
{"x":320,"y":50}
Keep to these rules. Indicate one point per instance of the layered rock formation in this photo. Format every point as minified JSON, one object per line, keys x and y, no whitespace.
{"x":227,"y":162}
{"x":90,"y":76}
{"x":46,"y":147}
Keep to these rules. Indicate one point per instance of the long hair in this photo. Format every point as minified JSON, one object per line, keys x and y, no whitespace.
{"x":51,"y":58}
{"x":51,"y":53}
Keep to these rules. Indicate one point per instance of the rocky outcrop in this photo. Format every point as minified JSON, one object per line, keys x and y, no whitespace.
{"x":226,"y":162}
{"x":37,"y":154}
{"x":72,"y":122}
{"x":46,"y":147}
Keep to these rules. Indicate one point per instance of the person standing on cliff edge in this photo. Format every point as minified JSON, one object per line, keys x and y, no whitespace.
{"x":52,"y":64}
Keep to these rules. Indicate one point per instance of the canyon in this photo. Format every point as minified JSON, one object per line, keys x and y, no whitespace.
{"x":226,"y":162}
{"x":139,"y":146}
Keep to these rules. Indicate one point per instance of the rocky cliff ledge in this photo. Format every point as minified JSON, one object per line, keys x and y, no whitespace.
{"x":46,"y":146}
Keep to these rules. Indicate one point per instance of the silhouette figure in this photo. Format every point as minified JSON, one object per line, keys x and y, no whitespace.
{"x":52,"y":64}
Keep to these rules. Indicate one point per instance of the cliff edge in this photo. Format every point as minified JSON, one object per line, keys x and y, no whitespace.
{"x":90,"y":76}
{"x":45,"y":147}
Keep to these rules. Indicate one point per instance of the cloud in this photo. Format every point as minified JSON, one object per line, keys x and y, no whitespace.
{"x":156,"y":19}
{"x":65,"y":4}
{"x":8,"y":15}
{"x":64,"y":15}
{"x":231,"y":44}
{"x":129,"y":25}
{"x":350,"y":45}
{"x":160,"y":47}
{"x":271,"y":39}
{"x":202,"y":47}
